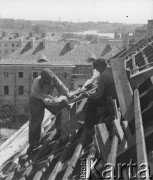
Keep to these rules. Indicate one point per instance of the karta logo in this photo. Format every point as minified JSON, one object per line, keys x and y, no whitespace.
{"x":111,"y":171}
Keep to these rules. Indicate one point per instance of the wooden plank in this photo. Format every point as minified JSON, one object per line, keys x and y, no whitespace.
{"x":70,"y":126}
{"x":140,"y":140}
{"x":123,"y":89}
{"x":120,"y":133}
{"x":103,"y":140}
{"x":112,"y":157}
{"x":127,"y":132}
{"x":143,"y":67}
{"x":75,"y":157}
{"x":117,"y":125}
{"x":61,"y":160}
{"x":125,"y":174}
{"x":144,"y":56}
{"x":134,"y":66}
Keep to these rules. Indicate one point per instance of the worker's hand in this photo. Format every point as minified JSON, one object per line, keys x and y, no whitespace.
{"x":71,"y":96}
{"x":88,"y":86}
{"x":63,"y":101}
{"x":85,"y":94}
{"x":48,"y":101}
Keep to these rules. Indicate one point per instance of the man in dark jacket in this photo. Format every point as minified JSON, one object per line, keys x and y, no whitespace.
{"x":41,"y":98}
{"x":102,"y":95}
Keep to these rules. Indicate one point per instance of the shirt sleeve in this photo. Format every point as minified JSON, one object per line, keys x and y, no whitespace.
{"x":98,"y":93}
{"x":61,"y":88}
{"x":93,"y":80}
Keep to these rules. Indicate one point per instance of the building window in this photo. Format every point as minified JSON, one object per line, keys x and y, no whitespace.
{"x":64,"y":75}
{"x":6,"y":74}
{"x":5,"y":45}
{"x":20,"y":74}
{"x":12,"y":45}
{"x":12,"y":50}
{"x":35,"y":74}
{"x":21,"y":90}
{"x":6,"y":90}
{"x":17,"y":45}
{"x":6,"y":51}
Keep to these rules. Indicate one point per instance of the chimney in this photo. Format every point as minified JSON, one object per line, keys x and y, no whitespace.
{"x":126,"y":41}
{"x":44,"y":42}
{"x":32,"y":42}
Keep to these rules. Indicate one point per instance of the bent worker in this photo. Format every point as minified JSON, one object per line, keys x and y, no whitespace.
{"x":41,"y":98}
{"x":103,"y":94}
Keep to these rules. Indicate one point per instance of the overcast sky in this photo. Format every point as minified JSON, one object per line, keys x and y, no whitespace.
{"x":124,"y":11}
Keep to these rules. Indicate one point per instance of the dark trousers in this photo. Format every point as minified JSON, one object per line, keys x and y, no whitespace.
{"x":91,"y":111}
{"x":37,"y":108}
{"x":92,"y":106}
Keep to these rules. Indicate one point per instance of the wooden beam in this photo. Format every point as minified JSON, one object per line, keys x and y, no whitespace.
{"x":123,"y":89}
{"x":134,"y":66}
{"x":103,"y":140}
{"x":125,"y":174}
{"x":120,"y":133}
{"x":127,"y":132}
{"x":112,"y":157}
{"x":142,"y":67}
{"x":75,"y":156}
{"x":117,"y":126}
{"x":140,"y":139}
{"x":145,"y":57}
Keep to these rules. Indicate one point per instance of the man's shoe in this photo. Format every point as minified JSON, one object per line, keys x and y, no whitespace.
{"x":30,"y":149}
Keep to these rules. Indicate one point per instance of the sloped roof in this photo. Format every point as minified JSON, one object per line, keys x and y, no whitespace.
{"x":52,"y":51}
{"x":29,"y":55}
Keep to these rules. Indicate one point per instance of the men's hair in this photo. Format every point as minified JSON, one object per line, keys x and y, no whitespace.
{"x":47,"y":75}
{"x":100,"y":62}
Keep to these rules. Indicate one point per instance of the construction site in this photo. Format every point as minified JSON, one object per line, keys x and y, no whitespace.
{"x":118,"y":147}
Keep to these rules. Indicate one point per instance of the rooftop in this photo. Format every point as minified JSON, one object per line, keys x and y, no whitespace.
{"x":57,"y":53}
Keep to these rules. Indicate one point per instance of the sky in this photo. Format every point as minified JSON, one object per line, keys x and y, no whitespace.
{"x":122,"y":11}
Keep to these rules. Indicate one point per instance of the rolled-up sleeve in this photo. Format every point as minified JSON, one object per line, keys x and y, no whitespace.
{"x":61,"y":88}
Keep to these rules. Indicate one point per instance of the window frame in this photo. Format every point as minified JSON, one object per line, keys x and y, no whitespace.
{"x":6,"y":74}
{"x":19,"y":74}
{"x":6,"y":90}
{"x":36,"y":75}
{"x":20,"y":90}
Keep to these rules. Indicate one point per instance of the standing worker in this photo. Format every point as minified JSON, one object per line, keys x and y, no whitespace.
{"x":103,"y":94}
{"x":41,"y":98}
